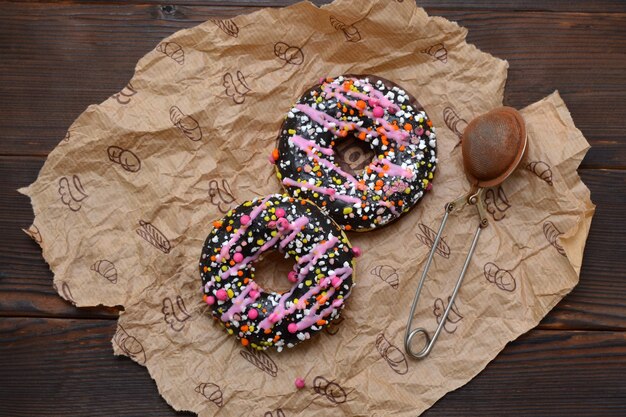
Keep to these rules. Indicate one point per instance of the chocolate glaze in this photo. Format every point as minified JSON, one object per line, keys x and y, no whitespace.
{"x":384,"y":196}
{"x":324,"y":261}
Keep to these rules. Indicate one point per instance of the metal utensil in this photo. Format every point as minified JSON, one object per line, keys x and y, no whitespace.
{"x":492,"y":146}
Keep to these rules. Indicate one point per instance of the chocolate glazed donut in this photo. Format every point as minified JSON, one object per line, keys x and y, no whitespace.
{"x":370,"y":109}
{"x":322,"y":275}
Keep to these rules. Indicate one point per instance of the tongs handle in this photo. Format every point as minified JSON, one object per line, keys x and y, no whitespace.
{"x":471,"y":198}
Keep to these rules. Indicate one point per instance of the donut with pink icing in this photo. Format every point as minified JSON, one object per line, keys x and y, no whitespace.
{"x":369,"y":109}
{"x":322,"y":275}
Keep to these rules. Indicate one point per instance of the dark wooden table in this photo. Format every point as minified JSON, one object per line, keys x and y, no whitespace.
{"x":56,"y":58}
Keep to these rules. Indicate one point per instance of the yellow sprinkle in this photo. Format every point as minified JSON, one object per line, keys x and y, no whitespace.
{"x":430,"y":175}
{"x":279,"y":175}
{"x":291,"y":131}
{"x":230,"y":293}
{"x":308,"y":282}
{"x":407,"y":190}
{"x":260,"y":242}
{"x":230,"y":331}
{"x":347,"y":210}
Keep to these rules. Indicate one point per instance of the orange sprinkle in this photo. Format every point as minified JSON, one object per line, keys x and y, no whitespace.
{"x":267,"y":331}
{"x":206,"y":269}
{"x":321,"y":322}
{"x":275,"y":154}
{"x":323,"y":204}
{"x":244,"y":342}
{"x":299,"y":169}
{"x":229,"y":228}
{"x":364,"y":198}
{"x":402,"y":148}
{"x":319,"y":173}
{"x":240,"y":273}
{"x":346,"y":86}
{"x":379,"y":183}
{"x":246,"y":280}
{"x":400,"y":202}
{"x":408,"y":127}
{"x":232,"y":263}
{"x":213,"y":258}
{"x":429,"y":123}
{"x":351,"y":112}
{"x":344,"y":109}
{"x":244,"y":328}
{"x":361,"y":104}
{"x":385,"y":167}
{"x":364,"y":217}
{"x":362,"y":135}
{"x":217,"y":224}
{"x":348,"y":227}
{"x":381,"y":174}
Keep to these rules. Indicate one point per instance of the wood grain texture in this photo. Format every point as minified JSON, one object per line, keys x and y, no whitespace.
{"x":70,"y":363}
{"x":58,"y":57}
{"x":598,"y":302}
{"x":602,"y":6}
{"x":64,"y":57}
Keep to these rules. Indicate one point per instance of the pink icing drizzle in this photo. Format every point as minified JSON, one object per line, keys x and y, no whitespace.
{"x":242,"y":229}
{"x":307,"y":262}
{"x":295,"y":227}
{"x":241,"y":302}
{"x":394,"y":169}
{"x":328,"y":191}
{"x":304,"y":145}
{"x":390,"y":132}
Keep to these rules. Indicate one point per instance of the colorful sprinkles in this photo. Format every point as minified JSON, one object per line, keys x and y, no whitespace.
{"x":321,"y":276}
{"x":372,"y":110}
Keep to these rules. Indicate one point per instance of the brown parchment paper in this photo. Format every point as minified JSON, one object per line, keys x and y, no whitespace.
{"x":125,"y":201}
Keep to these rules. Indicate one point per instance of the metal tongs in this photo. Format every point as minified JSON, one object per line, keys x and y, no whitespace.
{"x":493,"y":145}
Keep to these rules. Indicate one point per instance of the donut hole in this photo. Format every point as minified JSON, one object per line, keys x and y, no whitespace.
{"x":353,"y":155}
{"x":271,"y":270}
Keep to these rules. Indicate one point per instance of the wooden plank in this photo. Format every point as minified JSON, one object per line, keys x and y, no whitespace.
{"x":66,"y":367}
{"x":586,"y":6}
{"x":25,"y":278}
{"x":60,"y":58}
{"x":599,"y":301}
